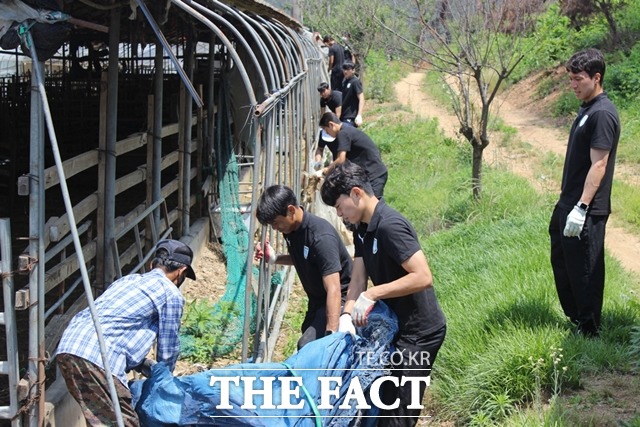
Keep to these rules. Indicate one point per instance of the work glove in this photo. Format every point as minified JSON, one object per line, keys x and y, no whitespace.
{"x":358,"y":120}
{"x":575,"y":222}
{"x":269,"y":254}
{"x":361,"y":310}
{"x":346,"y":325}
{"x":317,"y":165}
{"x":318,"y":173}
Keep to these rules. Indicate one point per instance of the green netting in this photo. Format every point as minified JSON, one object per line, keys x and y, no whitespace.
{"x":217,"y":330}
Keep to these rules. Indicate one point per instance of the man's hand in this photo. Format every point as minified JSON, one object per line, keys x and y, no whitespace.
{"x":361,"y":310}
{"x":269,"y":254}
{"x":346,"y":325}
{"x":575,"y":222}
{"x":145,"y":367}
{"x":358,"y":120}
{"x":318,"y":173}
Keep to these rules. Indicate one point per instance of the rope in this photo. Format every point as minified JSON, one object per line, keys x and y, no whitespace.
{"x":307,"y":395}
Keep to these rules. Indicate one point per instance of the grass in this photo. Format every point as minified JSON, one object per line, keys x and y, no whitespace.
{"x":493,"y":278}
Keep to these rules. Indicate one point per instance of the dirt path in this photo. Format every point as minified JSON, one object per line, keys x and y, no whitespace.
{"x":533,"y":130}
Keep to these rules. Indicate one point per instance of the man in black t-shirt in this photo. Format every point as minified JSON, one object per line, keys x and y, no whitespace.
{"x":352,"y":96}
{"x":349,"y":143}
{"x":318,"y":254}
{"x":578,"y":222}
{"x":387,"y":252}
{"x":331,"y":99}
{"x":336,"y":59}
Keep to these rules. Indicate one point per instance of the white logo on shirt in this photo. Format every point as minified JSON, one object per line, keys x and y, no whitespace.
{"x":375,"y":246}
{"x":361,"y":238}
{"x":305,"y":252}
{"x":583,"y":120}
{"x":348,"y":85}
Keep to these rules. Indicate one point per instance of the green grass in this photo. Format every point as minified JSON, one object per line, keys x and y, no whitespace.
{"x":490,"y":260}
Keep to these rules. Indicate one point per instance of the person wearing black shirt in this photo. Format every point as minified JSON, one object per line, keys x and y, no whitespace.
{"x":578,"y":222}
{"x":318,"y":254}
{"x":348,"y":143}
{"x":352,"y":96}
{"x":336,"y":59}
{"x":388,"y":252}
{"x":331,"y":99}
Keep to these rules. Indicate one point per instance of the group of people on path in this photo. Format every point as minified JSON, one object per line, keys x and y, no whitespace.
{"x":140,"y":310}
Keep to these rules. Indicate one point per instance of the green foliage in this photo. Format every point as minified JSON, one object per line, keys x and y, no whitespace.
{"x":490,"y":264}
{"x":634,"y":348}
{"x":381,"y":76}
{"x":567,"y":104}
{"x":622,"y":79}
{"x":547,"y":46}
{"x":202,"y":326}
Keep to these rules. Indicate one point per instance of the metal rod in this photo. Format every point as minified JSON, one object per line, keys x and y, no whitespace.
{"x":172,"y":56}
{"x":74,"y":230}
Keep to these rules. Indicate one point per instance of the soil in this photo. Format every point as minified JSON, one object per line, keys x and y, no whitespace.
{"x":606,"y":398}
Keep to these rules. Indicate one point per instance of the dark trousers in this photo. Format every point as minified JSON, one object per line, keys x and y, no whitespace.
{"x":313,"y":326}
{"x":418,"y":356}
{"x":377,"y":184}
{"x":88,"y":385}
{"x":578,"y":269}
{"x":336,"y":79}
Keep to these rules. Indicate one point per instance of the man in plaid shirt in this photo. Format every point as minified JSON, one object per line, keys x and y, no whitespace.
{"x":134,"y":312}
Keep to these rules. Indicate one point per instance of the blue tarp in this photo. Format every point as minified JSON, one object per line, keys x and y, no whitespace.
{"x":165,"y":400}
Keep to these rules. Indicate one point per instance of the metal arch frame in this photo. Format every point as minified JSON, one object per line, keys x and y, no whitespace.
{"x":295,"y":57}
{"x":275,"y":52}
{"x":285,"y":55}
{"x":239,"y":36}
{"x":256,"y":37}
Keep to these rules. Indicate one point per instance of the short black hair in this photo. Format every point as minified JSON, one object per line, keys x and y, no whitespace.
{"x":348,"y":65}
{"x":327,"y":39}
{"x":328,"y":117}
{"x":342,"y":179}
{"x":323,"y":86}
{"x":589,"y":60}
{"x":274,"y":201}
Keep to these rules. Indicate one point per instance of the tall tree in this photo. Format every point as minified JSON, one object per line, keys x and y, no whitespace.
{"x":474,"y":45}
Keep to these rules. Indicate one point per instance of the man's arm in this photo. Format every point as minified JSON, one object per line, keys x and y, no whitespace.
{"x":319,"y":152}
{"x":357,"y":285}
{"x":331,"y":284}
{"x":418,"y":278}
{"x":338,"y":111}
{"x":340,"y":158}
{"x":599,"y":160}
{"x":169,"y":324}
{"x":360,"y":103}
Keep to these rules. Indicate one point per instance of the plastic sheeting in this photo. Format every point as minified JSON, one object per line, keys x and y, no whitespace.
{"x":165,"y":400}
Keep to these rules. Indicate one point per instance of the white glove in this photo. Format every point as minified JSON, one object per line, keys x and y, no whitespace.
{"x":346,"y":325}
{"x":361,"y":310}
{"x":575,"y":222}
{"x":318,"y":173}
{"x":269,"y":254}
{"x":358,"y":120}
{"x":317,"y":165}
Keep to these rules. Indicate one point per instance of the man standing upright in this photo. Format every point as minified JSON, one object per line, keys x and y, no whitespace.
{"x":578,"y":222}
{"x":336,"y":59}
{"x":352,"y":96}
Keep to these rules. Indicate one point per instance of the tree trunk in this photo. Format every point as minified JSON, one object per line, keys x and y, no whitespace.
{"x":476,"y":170}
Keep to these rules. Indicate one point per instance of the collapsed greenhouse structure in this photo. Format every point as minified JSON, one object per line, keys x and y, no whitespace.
{"x":124,"y":123}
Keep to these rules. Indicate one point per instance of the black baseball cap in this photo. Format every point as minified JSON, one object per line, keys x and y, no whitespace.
{"x":178,"y":252}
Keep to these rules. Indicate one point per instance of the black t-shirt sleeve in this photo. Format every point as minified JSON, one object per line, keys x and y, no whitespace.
{"x":603,"y":126}
{"x":326,"y":255}
{"x":399,"y":238}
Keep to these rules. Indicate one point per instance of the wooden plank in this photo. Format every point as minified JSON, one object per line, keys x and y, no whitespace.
{"x":71,"y":167}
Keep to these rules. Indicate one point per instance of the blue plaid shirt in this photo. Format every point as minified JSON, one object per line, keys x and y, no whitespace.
{"x":133,"y":312}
